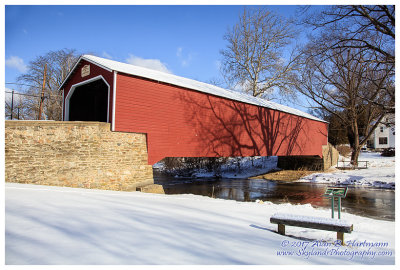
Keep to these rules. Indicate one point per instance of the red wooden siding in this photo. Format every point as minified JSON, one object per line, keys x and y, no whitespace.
{"x":95,"y":71}
{"x":186,"y":123}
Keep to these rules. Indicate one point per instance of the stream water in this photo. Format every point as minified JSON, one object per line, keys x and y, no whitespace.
{"x":368,"y":202}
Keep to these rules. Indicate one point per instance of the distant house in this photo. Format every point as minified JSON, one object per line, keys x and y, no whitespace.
{"x":384,"y":134}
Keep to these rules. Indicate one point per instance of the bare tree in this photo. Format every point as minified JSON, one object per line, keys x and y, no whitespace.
{"x":344,"y":83}
{"x":349,"y":67}
{"x":370,"y":29}
{"x":59,"y":64}
{"x":254,"y":58}
{"x":365,"y":27}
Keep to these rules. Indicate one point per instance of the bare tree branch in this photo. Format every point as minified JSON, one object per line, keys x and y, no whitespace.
{"x":341,"y":81}
{"x":368,"y":27}
{"x":59,"y":64}
{"x":254,"y":59}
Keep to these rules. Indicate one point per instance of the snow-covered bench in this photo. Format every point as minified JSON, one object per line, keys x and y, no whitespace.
{"x":328,"y":224}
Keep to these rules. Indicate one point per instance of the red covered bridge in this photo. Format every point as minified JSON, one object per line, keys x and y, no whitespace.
{"x":186,"y":118}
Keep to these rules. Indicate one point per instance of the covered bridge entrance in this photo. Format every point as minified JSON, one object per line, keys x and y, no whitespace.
{"x":88,"y":101}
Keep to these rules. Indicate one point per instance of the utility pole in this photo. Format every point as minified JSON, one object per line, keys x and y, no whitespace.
{"x":12,"y":104}
{"x":42,"y":95}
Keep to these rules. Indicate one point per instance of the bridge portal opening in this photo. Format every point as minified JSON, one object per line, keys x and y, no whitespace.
{"x":89,"y":102}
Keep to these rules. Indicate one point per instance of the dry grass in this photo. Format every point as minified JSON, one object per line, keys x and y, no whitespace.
{"x":285,"y":175}
{"x":344,"y":150}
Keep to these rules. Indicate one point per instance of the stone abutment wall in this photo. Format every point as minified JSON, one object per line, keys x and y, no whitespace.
{"x":330,"y":157}
{"x":75,"y":154}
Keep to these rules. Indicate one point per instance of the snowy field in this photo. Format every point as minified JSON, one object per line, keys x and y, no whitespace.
{"x":56,"y":225}
{"x":380,"y":173}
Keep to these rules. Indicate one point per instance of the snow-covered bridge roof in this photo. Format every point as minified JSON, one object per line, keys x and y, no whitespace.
{"x":191,"y":84}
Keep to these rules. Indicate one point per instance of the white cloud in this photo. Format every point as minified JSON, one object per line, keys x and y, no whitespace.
{"x":106,"y":55}
{"x":185,"y":60}
{"x":179,"y":52}
{"x":8,"y":96}
{"x":281,"y":60}
{"x":17,"y":63}
{"x":155,"y":64}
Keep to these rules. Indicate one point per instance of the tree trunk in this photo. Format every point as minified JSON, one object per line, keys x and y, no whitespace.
{"x":354,"y":155}
{"x":356,"y":141}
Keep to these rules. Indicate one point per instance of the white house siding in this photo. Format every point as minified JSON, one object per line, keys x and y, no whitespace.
{"x":392,"y":137}
{"x":384,"y":131}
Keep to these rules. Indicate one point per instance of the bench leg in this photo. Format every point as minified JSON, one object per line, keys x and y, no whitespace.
{"x":340,"y":236}
{"x":281,"y":229}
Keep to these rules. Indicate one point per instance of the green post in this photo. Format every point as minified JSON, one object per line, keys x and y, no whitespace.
{"x":339,"y":192}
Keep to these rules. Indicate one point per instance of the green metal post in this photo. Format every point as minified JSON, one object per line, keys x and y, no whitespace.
{"x":339,"y":207}
{"x":333,"y":206}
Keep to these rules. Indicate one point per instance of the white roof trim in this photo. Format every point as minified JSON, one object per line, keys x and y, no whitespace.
{"x":76,"y":64}
{"x":69,"y":74}
{"x":66,"y":101}
{"x":114,"y":99}
{"x":192,"y":84}
{"x":100,"y":65}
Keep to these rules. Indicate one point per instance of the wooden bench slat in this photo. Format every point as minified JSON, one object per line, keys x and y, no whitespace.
{"x":312,"y":222}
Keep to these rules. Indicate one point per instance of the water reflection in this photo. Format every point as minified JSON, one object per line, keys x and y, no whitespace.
{"x":374,"y":203}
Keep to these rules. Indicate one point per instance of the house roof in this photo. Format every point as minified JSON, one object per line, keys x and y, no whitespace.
{"x":112,"y":65}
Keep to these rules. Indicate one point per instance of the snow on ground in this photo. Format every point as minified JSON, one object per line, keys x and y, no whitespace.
{"x":58,"y":225}
{"x":249,"y":166}
{"x":380,"y":173}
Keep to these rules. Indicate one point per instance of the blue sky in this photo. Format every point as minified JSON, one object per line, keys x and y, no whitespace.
{"x":183,"y":40}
